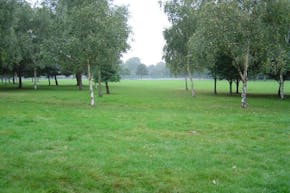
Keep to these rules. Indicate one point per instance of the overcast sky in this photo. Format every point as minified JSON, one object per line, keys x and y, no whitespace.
{"x":147,"y":21}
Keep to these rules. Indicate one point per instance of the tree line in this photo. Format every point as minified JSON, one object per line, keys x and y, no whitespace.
{"x":133,"y":68}
{"x":63,"y":37}
{"x":232,"y":39}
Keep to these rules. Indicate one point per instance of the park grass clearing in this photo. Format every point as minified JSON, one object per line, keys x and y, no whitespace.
{"x":147,"y":136}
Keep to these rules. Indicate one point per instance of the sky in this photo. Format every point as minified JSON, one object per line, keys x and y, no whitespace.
{"x":147,"y":21}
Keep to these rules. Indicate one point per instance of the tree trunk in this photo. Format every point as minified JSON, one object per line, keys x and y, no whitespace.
{"x":13,"y":78}
{"x":34,"y":79}
{"x":215,"y":83}
{"x":92,"y":97}
{"x":100,"y":93}
{"x":19,"y":79}
{"x":48,"y":77}
{"x":231,"y":87}
{"x":107,"y":87}
{"x":186,"y":85}
{"x":5,"y":79}
{"x":237,"y":86}
{"x":191,"y":81}
{"x":281,"y":86}
{"x":79,"y":80}
{"x":244,"y":95}
{"x":55,"y":79}
{"x":244,"y":77}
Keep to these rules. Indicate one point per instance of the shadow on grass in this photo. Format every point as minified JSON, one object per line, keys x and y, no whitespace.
{"x":4,"y":87}
{"x":249,"y":95}
{"x":14,"y":88}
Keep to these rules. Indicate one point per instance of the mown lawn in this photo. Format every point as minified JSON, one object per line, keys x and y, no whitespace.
{"x":147,"y":136}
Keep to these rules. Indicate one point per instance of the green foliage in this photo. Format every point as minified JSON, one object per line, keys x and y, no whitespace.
{"x":249,"y":32}
{"x":131,"y":64}
{"x":141,"y":70}
{"x":277,"y":22}
{"x":158,"y":71}
{"x":182,"y":15}
{"x":148,"y":137}
{"x":108,"y":74}
{"x":61,"y":36}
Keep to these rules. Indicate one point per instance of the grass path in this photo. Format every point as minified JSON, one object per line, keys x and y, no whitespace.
{"x":148,"y":136}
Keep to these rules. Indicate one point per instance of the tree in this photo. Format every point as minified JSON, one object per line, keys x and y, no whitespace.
{"x":225,"y":70}
{"x":95,"y":36}
{"x":158,"y":71}
{"x":20,"y":48}
{"x":108,"y":74}
{"x":277,"y":22}
{"x":124,"y":72}
{"x":41,"y":34}
{"x":7,"y":19}
{"x":232,"y":27}
{"x":141,"y":70}
{"x":67,"y":45}
{"x":182,"y":16}
{"x":116,"y":35}
{"x":131,"y":64}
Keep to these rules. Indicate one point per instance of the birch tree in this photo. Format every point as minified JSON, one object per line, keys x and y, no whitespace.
{"x":235,"y":28}
{"x":277,"y":21}
{"x":181,"y":14}
{"x":94,"y":36}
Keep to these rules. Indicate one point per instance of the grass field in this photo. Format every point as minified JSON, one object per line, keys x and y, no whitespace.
{"x":147,"y":136}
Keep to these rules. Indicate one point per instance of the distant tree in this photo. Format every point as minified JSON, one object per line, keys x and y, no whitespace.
{"x":131,"y":64}
{"x":124,"y":71}
{"x":158,"y":71}
{"x":141,"y":70}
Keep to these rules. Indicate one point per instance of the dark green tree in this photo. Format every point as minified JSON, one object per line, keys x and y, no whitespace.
{"x":141,"y":70}
{"x":108,"y":74}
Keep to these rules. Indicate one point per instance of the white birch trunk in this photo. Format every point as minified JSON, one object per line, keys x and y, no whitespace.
{"x":92,"y":97}
{"x":281,"y":86}
{"x":244,"y":77}
{"x":35,"y":79}
{"x":191,"y":81}
{"x":244,"y":94}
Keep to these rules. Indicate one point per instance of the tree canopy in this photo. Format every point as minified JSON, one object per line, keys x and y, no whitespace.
{"x":253,"y":35}
{"x":67,"y":37}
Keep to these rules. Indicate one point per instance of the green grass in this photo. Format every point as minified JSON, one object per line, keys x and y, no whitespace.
{"x":147,"y":136}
